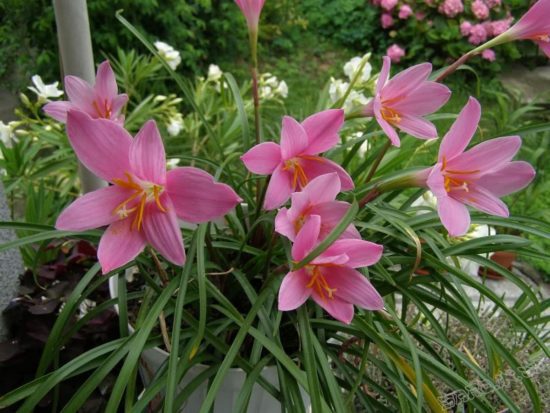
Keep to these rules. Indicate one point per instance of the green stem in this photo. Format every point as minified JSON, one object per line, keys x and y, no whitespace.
{"x":377,"y":161}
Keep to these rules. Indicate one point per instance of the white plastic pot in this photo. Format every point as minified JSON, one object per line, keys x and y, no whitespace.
{"x":260,"y":401}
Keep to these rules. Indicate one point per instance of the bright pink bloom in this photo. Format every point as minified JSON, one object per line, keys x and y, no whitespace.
{"x":465,"y":28}
{"x":317,"y":198}
{"x":405,"y":12}
{"x":251,"y":10}
{"x":295,"y":162}
{"x":386,"y":20}
{"x":331,"y":279}
{"x":489,"y":54}
{"x":395,"y":53}
{"x":477,"y":177}
{"x":478,"y":34}
{"x":480,"y":9}
{"x":388,"y":4}
{"x":100,"y":101}
{"x":403,"y":101}
{"x":500,"y":26}
{"x":451,"y":8}
{"x":534,"y":25}
{"x":144,"y":203}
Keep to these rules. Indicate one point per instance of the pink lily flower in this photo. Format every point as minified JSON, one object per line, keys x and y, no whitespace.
{"x":251,"y":10}
{"x":144,"y":202}
{"x":317,"y":198}
{"x":534,"y":25}
{"x":403,"y":101}
{"x":295,"y":162}
{"x":477,"y":177}
{"x":331,"y":279}
{"x":100,"y":101}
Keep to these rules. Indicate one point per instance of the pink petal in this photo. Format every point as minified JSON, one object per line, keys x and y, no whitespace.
{"x":436,"y":181}
{"x":482,"y":199}
{"x":368,"y":109}
{"x":425,"y":99}
{"x":118,"y":102}
{"x":331,"y":260}
{"x":317,"y":166}
{"x":263,"y":158}
{"x":58,"y":110}
{"x":92,"y":210}
{"x":300,"y":204}
{"x":105,"y":82}
{"x":162,"y":231}
{"x":462,"y":131}
{"x":487,"y":156}
{"x":454,"y":215}
{"x":147,"y":156}
{"x":306,"y":238}
{"x":197,"y":197}
{"x":101,"y":145}
{"x":293,"y":292}
{"x":534,"y":22}
{"x":294,"y":139}
{"x":406,"y":81}
{"x":384,"y":74}
{"x":512,"y":177}
{"x":386,"y":127}
{"x":324,"y":188}
{"x":336,"y":307}
{"x":278,"y":189}
{"x":81,"y":94}
{"x":283,"y":225}
{"x":119,"y":245}
{"x":353,"y":287}
{"x":360,"y":253}
{"x":322,"y":130}
{"x":331,"y":214}
{"x":545,"y":47}
{"x":417,"y":127}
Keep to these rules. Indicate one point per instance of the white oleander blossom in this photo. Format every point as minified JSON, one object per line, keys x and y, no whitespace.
{"x":214,"y":73}
{"x":172,"y":163}
{"x":354,"y":100}
{"x":271,"y":88}
{"x":6,"y":134}
{"x":44,"y":91}
{"x":169,"y":54}
{"x":352,"y":67}
{"x":175,"y":124}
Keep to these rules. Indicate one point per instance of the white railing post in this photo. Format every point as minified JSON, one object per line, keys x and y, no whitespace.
{"x":77,"y":58}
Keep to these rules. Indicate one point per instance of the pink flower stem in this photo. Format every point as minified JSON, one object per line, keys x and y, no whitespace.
{"x":452,"y":68}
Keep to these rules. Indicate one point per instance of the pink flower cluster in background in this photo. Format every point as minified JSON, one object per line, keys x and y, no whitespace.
{"x":451,"y":8}
{"x":395,"y":53}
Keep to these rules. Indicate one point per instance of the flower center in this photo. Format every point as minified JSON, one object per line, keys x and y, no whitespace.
{"x":455,"y":183}
{"x":390,"y":115}
{"x":103,"y":110}
{"x":319,"y":283}
{"x":142,"y":193}
{"x":299,"y":179}
{"x":542,"y":37}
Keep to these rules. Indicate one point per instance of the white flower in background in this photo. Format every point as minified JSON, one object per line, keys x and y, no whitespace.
{"x":169,"y":54}
{"x":352,"y":66}
{"x":159,"y":98}
{"x":43,"y":91}
{"x":427,"y":199}
{"x":355,"y":100}
{"x":175,"y":125}
{"x":266,"y":92}
{"x":337,"y":89}
{"x":272,"y":88}
{"x":85,"y":307}
{"x":173,"y":163}
{"x":6,"y":134}
{"x":214,"y":73}
{"x":282,"y":89}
